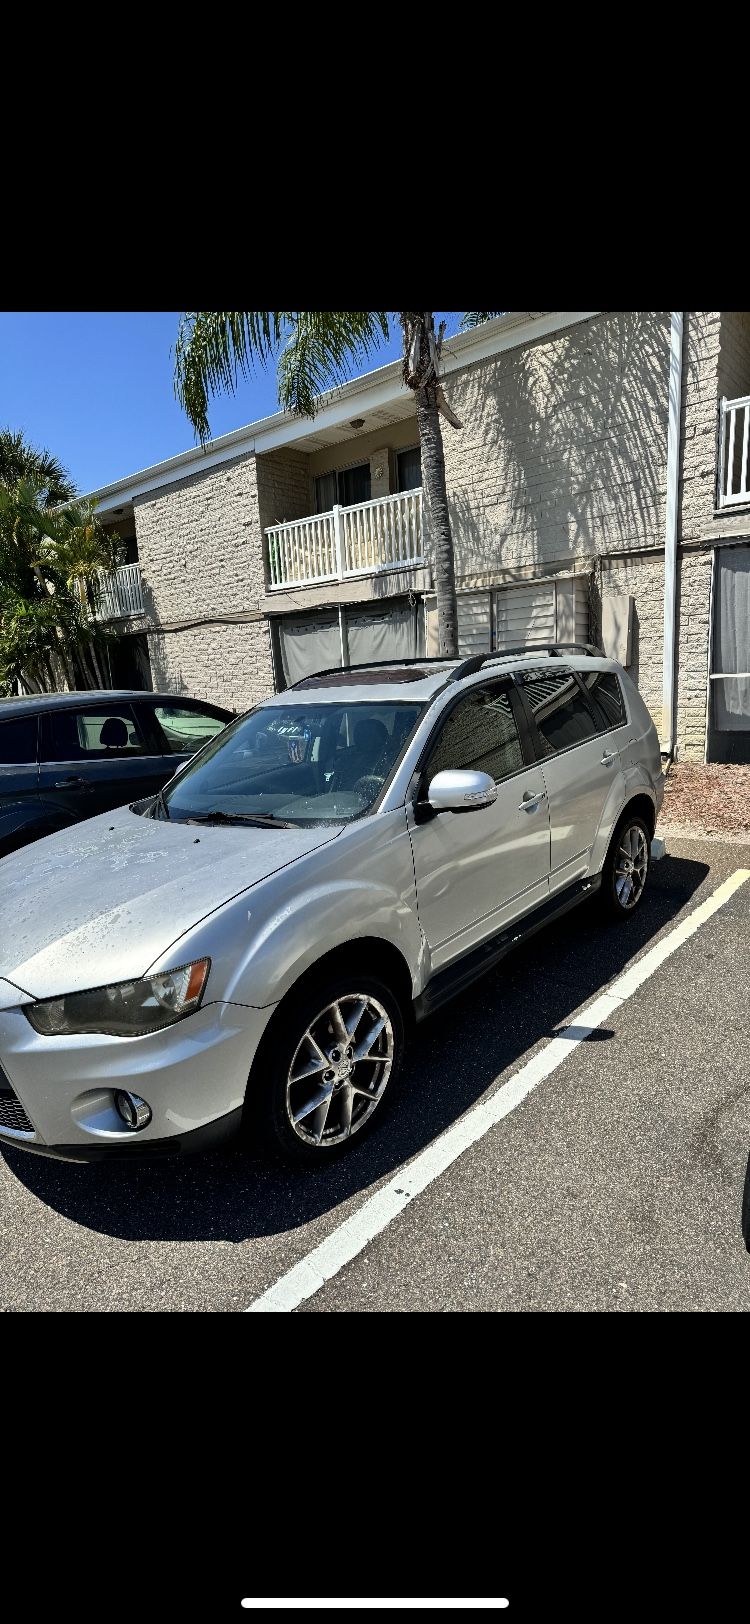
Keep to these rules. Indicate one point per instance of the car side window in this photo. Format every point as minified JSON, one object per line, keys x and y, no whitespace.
{"x":559,"y":709}
{"x":18,"y":741}
{"x":605,"y":694}
{"x":92,"y":734}
{"x":186,"y":730}
{"x":479,"y":735}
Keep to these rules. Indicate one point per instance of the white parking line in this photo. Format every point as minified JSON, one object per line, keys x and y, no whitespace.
{"x":351,"y":1236}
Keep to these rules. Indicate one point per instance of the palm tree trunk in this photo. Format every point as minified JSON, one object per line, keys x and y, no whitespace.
{"x":436,"y":501}
{"x":95,"y":662}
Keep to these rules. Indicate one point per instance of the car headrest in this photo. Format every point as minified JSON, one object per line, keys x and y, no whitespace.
{"x":370,"y":735}
{"x":114,"y":734}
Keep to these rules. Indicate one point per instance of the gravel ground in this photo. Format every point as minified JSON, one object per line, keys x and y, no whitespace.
{"x":707,"y":800}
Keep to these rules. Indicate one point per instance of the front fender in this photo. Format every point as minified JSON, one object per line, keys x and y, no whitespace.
{"x":260,"y":943}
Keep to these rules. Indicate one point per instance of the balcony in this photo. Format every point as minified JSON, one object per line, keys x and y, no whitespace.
{"x":733,"y":445}
{"x":366,"y":539}
{"x":120,"y":593}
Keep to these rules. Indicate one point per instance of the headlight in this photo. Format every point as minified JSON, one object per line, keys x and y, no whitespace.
{"x":128,"y":1009}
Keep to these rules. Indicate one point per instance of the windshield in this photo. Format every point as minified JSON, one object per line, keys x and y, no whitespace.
{"x":296,"y":763}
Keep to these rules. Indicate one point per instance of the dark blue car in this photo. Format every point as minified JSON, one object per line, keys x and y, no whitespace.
{"x":64,"y":757}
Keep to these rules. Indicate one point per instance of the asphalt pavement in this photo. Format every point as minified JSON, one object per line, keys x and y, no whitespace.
{"x":615,"y":1186}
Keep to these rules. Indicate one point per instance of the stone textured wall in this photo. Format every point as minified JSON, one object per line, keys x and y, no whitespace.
{"x":228,"y":664}
{"x":199,"y":543}
{"x":285,"y":487}
{"x":699,"y":425}
{"x":564,"y":446}
{"x":641,"y":578}
{"x":691,"y":638}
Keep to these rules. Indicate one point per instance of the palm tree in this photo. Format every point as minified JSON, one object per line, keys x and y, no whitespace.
{"x":315,"y":350}
{"x":20,"y":460}
{"x":49,"y":563}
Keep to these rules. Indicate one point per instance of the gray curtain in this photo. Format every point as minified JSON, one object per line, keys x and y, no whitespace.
{"x":378,"y":635}
{"x":308,"y":646}
{"x":732,"y":640}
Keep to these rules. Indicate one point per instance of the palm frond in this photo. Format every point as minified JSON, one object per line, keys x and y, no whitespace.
{"x":21,"y":460}
{"x":320,"y":348}
{"x":320,"y":351}
{"x":213,"y":346}
{"x":474,"y":318}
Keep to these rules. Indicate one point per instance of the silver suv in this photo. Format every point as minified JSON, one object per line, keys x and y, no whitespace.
{"x":259,"y":937}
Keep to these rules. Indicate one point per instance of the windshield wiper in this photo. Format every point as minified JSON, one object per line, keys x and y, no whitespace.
{"x":162,"y":805}
{"x":261,"y":819}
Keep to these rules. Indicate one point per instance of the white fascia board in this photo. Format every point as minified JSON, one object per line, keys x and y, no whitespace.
{"x":370,"y":391}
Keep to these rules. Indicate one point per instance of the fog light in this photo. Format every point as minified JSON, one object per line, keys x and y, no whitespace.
{"x":134,"y":1111}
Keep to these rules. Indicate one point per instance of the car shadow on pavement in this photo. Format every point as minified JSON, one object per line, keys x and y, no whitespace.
{"x":238,"y":1194}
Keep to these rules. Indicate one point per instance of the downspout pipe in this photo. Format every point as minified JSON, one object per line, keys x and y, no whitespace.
{"x":670,"y":548}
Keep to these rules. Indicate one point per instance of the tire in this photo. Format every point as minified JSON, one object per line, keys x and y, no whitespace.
{"x":287,"y":1085}
{"x":630,"y":845}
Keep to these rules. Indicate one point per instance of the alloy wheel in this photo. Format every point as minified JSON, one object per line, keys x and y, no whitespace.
{"x":340,"y":1070}
{"x":631,"y":866}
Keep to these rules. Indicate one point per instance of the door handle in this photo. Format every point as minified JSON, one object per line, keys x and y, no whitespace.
{"x":609,"y":755}
{"x":530,"y":802}
{"x":70,"y":783}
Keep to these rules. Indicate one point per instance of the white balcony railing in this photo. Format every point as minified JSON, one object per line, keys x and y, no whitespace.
{"x":384,"y":534}
{"x":120,"y":593}
{"x":733,"y":446}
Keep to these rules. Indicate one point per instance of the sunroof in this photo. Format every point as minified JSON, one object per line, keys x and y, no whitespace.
{"x":348,"y":679}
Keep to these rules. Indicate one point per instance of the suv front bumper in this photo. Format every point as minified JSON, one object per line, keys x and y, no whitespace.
{"x":193,"y":1075}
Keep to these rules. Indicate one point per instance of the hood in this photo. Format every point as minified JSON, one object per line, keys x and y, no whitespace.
{"x":100,"y":901}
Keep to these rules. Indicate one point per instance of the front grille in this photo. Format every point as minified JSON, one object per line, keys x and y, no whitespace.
{"x":12,"y":1114}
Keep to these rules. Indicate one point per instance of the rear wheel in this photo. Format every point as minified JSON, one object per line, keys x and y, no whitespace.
{"x":334,"y":1052}
{"x":627,"y":865}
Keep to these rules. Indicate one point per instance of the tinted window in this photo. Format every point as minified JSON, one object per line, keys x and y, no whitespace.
{"x":185,"y":730}
{"x":18,"y":741}
{"x":480,"y":735}
{"x":91,"y":734}
{"x":604,"y":690}
{"x":559,"y":710}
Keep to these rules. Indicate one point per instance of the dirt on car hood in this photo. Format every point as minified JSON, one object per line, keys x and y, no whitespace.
{"x":99,"y":902}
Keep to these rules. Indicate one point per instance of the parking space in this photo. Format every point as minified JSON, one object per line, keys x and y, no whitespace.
{"x":615,"y":1184}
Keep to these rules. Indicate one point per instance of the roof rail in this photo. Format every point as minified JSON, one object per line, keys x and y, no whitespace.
{"x":477,"y":661}
{"x":375,"y":665}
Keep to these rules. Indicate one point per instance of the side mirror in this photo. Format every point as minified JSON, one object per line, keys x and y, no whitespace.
{"x":455,"y":791}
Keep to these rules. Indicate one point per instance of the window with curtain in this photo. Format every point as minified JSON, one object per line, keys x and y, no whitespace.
{"x":731,"y":652}
{"x":347,"y":486}
{"x":409,"y":468}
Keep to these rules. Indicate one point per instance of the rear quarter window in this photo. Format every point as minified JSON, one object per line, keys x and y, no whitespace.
{"x":18,"y":741}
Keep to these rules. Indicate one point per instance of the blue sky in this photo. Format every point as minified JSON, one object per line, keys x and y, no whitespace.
{"x":96,"y":389}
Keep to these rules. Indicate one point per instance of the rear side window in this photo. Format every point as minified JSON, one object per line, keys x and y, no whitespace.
{"x":605,"y":693}
{"x":480,"y":735}
{"x":186,"y":730}
{"x":91,"y":735}
{"x":559,"y":710}
{"x":18,"y":741}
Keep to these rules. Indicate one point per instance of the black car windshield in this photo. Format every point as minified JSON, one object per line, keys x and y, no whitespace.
{"x":295,"y":763}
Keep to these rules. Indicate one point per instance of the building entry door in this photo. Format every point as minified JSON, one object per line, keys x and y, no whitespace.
{"x":729,"y":706}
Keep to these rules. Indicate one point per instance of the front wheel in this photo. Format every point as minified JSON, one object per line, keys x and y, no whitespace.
{"x":626,"y":869}
{"x":335,"y":1051}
